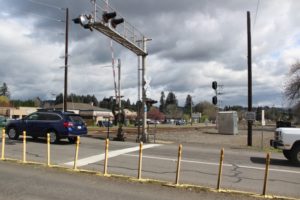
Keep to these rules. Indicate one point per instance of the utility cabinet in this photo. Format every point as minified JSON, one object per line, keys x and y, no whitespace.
{"x":228,"y":122}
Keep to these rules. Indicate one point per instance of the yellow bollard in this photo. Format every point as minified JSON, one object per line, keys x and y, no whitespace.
{"x":48,"y":149}
{"x":3,"y":145}
{"x":266,"y":174}
{"x":24,"y":146}
{"x":76,"y":153}
{"x":140,"y":161}
{"x":220,"y":169}
{"x":106,"y":156}
{"x":178,"y":164}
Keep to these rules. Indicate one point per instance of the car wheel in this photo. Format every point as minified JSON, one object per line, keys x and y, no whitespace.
{"x":295,"y":155}
{"x":72,"y":140}
{"x":13,"y":133}
{"x":53,"y":137}
{"x":287,"y":154}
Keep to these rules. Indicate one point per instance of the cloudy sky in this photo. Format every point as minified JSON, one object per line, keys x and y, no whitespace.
{"x":194,"y":42}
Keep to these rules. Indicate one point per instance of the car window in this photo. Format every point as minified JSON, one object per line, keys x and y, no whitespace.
{"x":53,"y":116}
{"x":76,"y":119}
{"x":33,"y":116}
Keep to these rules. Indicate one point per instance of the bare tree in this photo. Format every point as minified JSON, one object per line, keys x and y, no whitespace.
{"x":292,"y":88}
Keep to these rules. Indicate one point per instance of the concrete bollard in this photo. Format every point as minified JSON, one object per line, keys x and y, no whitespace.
{"x":24,"y":146}
{"x":220,"y":168}
{"x":178,"y":164}
{"x":140,"y":161}
{"x":3,"y":145}
{"x":266,"y":174}
{"x":106,"y":156}
{"x":76,"y":153}
{"x":48,"y":149}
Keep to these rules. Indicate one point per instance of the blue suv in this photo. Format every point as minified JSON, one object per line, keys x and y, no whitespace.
{"x":58,"y":124}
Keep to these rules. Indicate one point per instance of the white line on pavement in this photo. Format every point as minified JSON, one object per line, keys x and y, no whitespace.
{"x":111,"y":154}
{"x":217,"y":164}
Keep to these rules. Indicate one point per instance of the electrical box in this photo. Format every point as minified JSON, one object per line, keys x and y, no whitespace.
{"x":228,"y":122}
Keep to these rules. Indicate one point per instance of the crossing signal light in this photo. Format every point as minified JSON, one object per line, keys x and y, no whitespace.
{"x":214,"y":85}
{"x":149,"y":103}
{"x":215,"y":100}
{"x":79,"y":20}
{"x":110,"y":16}
{"x":107,"y":16}
{"x":115,"y":22}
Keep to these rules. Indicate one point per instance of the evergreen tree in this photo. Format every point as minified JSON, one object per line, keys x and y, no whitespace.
{"x":171,"y":99}
{"x":188,"y":105}
{"x":162,"y":107}
{"x":4,"y":91}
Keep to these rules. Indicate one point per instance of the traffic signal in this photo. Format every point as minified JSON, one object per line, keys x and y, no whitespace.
{"x":115,"y":22}
{"x":215,"y":100}
{"x":110,"y":16}
{"x":214,"y":85}
{"x":84,"y":21}
{"x":149,"y":103}
{"x":106,"y":16}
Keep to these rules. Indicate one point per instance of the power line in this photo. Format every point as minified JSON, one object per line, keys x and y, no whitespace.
{"x":257,"y":6}
{"x":47,"y":5}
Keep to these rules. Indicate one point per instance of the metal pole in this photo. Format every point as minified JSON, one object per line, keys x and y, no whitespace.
{"x":48,"y":149}
{"x":3,"y":144}
{"x":120,"y":136}
{"x":139,"y":99}
{"x":76,"y":153}
{"x":178,"y":164}
{"x":249,"y":142}
{"x":66,"y":61}
{"x":266,"y":173}
{"x":220,"y":169}
{"x":144,"y":96}
{"x":106,"y":157}
{"x":140,"y":161}
{"x":24,"y":146}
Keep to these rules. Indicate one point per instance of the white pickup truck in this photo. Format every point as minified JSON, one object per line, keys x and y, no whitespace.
{"x":288,"y":139}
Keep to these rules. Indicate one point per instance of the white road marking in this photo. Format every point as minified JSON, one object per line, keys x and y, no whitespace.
{"x":111,"y":154}
{"x":216,"y":164}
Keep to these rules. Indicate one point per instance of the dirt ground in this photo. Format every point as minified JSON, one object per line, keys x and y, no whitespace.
{"x":198,"y":134}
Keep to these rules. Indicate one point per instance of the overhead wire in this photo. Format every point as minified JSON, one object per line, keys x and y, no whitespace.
{"x":257,"y":7}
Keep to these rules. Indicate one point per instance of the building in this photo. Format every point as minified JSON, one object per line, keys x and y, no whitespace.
{"x":17,"y":113}
{"x":91,"y":114}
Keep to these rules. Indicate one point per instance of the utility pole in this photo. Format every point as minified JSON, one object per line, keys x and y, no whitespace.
{"x":66,"y":61}
{"x":120,"y":135}
{"x":249,"y":142}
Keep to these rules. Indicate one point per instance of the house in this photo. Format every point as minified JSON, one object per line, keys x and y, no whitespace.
{"x":17,"y":113}
{"x":87,"y":111}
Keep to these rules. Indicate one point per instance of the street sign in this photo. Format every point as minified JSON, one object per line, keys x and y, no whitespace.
{"x":250,"y":116}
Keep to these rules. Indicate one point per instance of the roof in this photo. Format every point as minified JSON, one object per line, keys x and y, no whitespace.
{"x":81,"y":106}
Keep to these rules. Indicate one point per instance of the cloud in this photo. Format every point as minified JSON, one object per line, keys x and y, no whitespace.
{"x":194,"y":42}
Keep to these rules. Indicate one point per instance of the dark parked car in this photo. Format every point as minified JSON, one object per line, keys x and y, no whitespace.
{"x":3,"y":121}
{"x":105,"y":123}
{"x":59,"y":124}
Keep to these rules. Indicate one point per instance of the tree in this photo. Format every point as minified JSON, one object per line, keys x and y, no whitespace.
{"x":4,"y":91}
{"x":292,"y":88}
{"x":188,"y":105}
{"x":162,"y":107}
{"x":206,"y":108}
{"x":4,"y":101}
{"x":171,"y":99}
{"x":155,"y":114}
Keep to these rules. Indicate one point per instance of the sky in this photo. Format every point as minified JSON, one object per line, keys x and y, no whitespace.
{"x":194,"y":42}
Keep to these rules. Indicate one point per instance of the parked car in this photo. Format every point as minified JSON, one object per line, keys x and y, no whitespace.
{"x":105,"y":123}
{"x":58,"y":124}
{"x":3,"y":121}
{"x":180,"y":122}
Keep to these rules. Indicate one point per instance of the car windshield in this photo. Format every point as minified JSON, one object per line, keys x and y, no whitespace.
{"x":76,"y":119}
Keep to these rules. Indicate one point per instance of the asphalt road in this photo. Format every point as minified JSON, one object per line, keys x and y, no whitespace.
{"x":37,"y":182}
{"x":243,"y":168}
